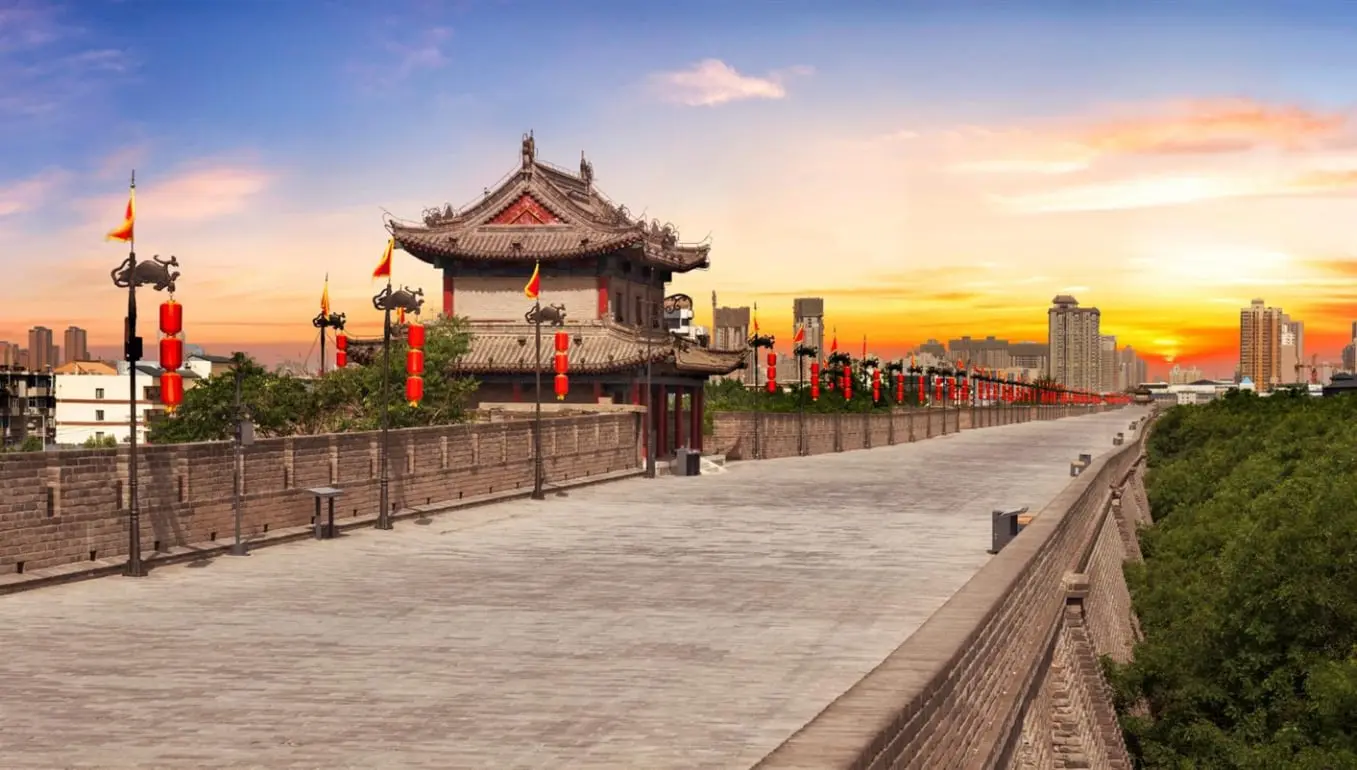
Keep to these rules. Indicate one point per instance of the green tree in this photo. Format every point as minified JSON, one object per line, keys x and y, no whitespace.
{"x":280,"y":404}
{"x":100,"y":442}
{"x":1248,"y":593}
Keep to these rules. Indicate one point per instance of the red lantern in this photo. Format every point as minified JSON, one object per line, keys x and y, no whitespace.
{"x":951,"y":388}
{"x":414,"y":335}
{"x":414,"y":389}
{"x":937,"y":389}
{"x":341,"y":358}
{"x":814,"y":381}
{"x":876,"y":385}
{"x":562,"y":384}
{"x":414,"y":362}
{"x":772,"y":372}
{"x":171,"y":317}
{"x":562,"y":342}
{"x":561,"y":363}
{"x":922,"y":389}
{"x":341,"y":341}
{"x":171,"y":390}
{"x":171,"y":353}
{"x":847,"y":385}
{"x":899,"y":388}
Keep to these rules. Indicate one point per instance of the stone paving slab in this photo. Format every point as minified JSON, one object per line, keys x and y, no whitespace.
{"x":668,"y":623}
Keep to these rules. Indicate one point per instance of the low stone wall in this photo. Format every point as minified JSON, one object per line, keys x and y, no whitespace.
{"x":1006,"y":673}
{"x":766,"y":435}
{"x":62,"y":507}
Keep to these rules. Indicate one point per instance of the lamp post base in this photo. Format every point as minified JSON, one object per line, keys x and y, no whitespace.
{"x":538,"y":494}
{"x":134,"y":570}
{"x":240,"y":549}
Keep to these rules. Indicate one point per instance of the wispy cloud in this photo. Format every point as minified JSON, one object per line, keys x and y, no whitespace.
{"x":711,"y":82}
{"x":1149,"y":191}
{"x":405,"y":57}
{"x":1191,"y":128}
{"x":46,"y":66}
{"x":195,"y":193}
{"x":28,"y":194}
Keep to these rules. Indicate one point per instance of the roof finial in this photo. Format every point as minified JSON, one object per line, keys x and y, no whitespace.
{"x":586,"y":171}
{"x":529,"y":151}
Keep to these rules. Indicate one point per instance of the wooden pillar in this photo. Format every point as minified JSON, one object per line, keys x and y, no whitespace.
{"x":678,"y":416}
{"x":699,"y":416}
{"x":661,"y":421}
{"x":598,"y":392}
{"x":648,"y":421}
{"x":448,"y":287}
{"x":517,"y":392}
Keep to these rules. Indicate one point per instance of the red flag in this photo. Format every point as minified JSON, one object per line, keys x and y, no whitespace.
{"x":533,"y":290}
{"x":123,"y":232}
{"x":800,"y":335}
{"x":384,"y":267}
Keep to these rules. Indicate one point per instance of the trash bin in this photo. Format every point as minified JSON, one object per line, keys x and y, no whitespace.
{"x":1006,"y":526}
{"x":687,"y":462}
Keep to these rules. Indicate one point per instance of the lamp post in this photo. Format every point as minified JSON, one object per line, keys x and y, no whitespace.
{"x":157,"y":274}
{"x":322,"y":322}
{"x":244,"y":436}
{"x":652,"y":421}
{"x":387,"y":300}
{"x":802,"y":352}
{"x":756,"y":343}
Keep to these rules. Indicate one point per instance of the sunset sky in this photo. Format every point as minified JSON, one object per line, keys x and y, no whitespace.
{"x":930,"y":171}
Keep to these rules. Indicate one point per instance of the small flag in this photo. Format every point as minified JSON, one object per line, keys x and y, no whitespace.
{"x":123,"y":232}
{"x":534,"y":288}
{"x":834,"y":343}
{"x":325,"y":297}
{"x":400,"y":316}
{"x":384,"y":267}
{"x":756,"y":319}
{"x":864,"y":346}
{"x":800,"y":335}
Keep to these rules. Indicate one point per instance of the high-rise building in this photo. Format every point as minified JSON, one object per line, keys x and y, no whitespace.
{"x":42,"y":355}
{"x":9,"y":355}
{"x":1030,"y":355}
{"x":730,"y":331}
{"x":1183,"y":375}
{"x":809,"y":313}
{"x":1260,"y":345}
{"x":989,"y":353}
{"x":1292,"y":362}
{"x":1076,"y":346}
{"x":76,"y":345}
{"x":1109,"y":365}
{"x":1134,"y":370}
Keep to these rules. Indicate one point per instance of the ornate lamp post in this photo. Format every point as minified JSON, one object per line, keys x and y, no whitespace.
{"x":756,"y":343}
{"x":322,"y":322}
{"x":387,"y":301}
{"x":943,"y":388}
{"x":160,"y":276}
{"x":802,"y":352}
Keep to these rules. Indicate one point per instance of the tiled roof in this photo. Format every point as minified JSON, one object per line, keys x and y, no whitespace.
{"x":601,"y":348}
{"x":588,"y":224}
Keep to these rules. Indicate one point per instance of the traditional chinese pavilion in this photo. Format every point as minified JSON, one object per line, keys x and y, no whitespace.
{"x":605,"y":270}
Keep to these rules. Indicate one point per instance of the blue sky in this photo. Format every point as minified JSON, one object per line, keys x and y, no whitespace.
{"x":808,"y":138}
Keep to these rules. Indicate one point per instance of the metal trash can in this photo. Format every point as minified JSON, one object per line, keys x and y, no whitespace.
{"x":1006,"y":526}
{"x":687,"y":462}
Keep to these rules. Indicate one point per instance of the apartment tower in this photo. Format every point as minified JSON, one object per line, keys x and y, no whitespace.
{"x":76,"y":345}
{"x":42,"y":355}
{"x":1260,"y":344}
{"x":1075,"y":344}
{"x":809,"y":313}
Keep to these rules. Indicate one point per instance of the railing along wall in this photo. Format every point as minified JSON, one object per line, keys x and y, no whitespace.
{"x":969,"y":688}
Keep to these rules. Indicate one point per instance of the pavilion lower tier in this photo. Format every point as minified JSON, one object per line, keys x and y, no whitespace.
{"x":677,"y":419}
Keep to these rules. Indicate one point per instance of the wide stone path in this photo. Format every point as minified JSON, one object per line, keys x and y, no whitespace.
{"x":670,"y":623}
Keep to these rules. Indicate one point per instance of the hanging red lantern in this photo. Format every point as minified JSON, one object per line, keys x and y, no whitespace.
{"x":341,"y":358}
{"x":899,"y":387}
{"x":561,"y":363}
{"x":922,"y":389}
{"x":414,"y":335}
{"x":562,"y":342}
{"x":951,"y":389}
{"x":414,"y":389}
{"x":171,"y":353}
{"x":772,"y":372}
{"x":341,"y":341}
{"x":171,"y":317}
{"x":562,"y":385}
{"x":414,"y":362}
{"x":876,"y":385}
{"x":847,"y":385}
{"x":965,"y":390}
{"x":814,"y":381}
{"x":171,"y":390}
{"x":937,"y":388}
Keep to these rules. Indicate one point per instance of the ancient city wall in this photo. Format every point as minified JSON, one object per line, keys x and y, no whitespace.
{"x":57,"y":508}
{"x":766,"y":435}
{"x":1006,"y":673}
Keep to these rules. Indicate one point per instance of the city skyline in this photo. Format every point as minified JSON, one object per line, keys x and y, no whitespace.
{"x":922,"y":190}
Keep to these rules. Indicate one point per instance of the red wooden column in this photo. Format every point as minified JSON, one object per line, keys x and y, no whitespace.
{"x":699,"y":416}
{"x":678,"y":416}
{"x":648,"y":419}
{"x":661,"y":421}
{"x":448,"y":306}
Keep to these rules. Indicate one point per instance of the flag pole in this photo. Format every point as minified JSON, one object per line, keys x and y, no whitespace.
{"x":383,"y":497}
{"x":538,"y":493}
{"x":325,"y":314}
{"x":132,"y":352}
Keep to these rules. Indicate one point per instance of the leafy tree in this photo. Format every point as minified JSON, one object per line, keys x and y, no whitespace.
{"x":1248,"y":594}
{"x":100,"y":442}
{"x":280,"y":404}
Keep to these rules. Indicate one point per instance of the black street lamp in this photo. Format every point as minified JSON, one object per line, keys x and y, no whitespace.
{"x":802,"y":352}
{"x":322,"y":322}
{"x":387,"y":301}
{"x":244,"y":436}
{"x":157,"y":274}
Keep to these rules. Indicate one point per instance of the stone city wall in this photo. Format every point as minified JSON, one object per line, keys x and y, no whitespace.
{"x":1006,"y":673}
{"x":57,"y":508}
{"x":766,"y":435}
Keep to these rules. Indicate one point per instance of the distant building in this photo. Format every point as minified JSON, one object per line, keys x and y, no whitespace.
{"x":1075,"y":340}
{"x":42,"y":354}
{"x":75,"y":344}
{"x":1109,"y":364}
{"x":809,"y":314}
{"x":1030,"y":355}
{"x":1182,"y":375}
{"x":1260,"y":345}
{"x":731,"y":331}
{"x":935,"y":349}
{"x":9,"y":355}
{"x":27,"y":408}
{"x":1292,"y":362}
{"x":1134,"y":371}
{"x":989,"y":353}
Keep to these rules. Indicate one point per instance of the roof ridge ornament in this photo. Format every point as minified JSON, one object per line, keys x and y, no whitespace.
{"x":529,"y":152}
{"x":586,"y":172}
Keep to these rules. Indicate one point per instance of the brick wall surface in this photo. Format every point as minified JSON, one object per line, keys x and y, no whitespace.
{"x":766,"y":435}
{"x":63,"y":507}
{"x":1006,"y":673}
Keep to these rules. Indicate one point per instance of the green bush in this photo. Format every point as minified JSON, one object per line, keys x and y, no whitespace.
{"x":1248,"y":594}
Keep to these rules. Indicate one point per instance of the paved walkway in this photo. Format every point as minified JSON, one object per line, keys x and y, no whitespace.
{"x":671,"y":623}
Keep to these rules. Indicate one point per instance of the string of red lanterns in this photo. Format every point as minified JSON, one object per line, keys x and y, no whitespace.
{"x":414,"y":363}
{"x":814,"y":381}
{"x":341,"y":350}
{"x":171,"y":354}
{"x":561,"y":364}
{"x":772,"y":372}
